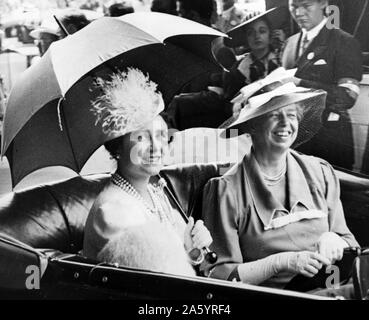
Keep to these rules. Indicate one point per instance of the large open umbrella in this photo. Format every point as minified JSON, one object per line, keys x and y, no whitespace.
{"x":48,"y":120}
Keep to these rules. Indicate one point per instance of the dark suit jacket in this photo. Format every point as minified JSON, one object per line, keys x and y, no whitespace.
{"x":342,"y":55}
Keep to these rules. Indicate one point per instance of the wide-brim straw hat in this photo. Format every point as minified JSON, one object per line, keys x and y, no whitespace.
{"x":274,"y":96}
{"x":277,"y":18}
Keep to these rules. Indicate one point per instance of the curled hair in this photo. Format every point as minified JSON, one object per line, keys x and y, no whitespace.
{"x":112,"y":146}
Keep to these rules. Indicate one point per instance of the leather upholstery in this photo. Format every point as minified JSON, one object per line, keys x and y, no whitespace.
{"x":187,"y":183}
{"x":53,"y":215}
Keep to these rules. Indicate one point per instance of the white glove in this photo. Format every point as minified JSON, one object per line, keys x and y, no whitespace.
{"x":331,"y":246}
{"x":196,"y":235}
{"x":306,"y":263}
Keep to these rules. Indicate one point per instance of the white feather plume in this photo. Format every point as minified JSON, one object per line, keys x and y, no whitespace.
{"x":129,"y":101}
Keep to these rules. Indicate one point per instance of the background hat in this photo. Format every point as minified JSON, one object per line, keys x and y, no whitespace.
{"x":47,"y":26}
{"x":72,"y":19}
{"x":277,"y":18}
{"x":129,"y":102}
{"x":276,"y":96}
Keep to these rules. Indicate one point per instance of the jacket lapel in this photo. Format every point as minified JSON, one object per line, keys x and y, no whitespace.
{"x":291,"y":51}
{"x":298,"y":187}
{"x":315,"y":49}
{"x":265,"y":203}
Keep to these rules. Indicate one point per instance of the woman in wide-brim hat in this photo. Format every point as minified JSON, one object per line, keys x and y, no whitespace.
{"x":131,"y":220}
{"x":277,"y":18}
{"x":262,"y":38}
{"x":277,"y":213}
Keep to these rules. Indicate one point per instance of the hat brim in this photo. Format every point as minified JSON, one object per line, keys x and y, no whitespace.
{"x":311,"y":113}
{"x":36,"y":34}
{"x":277,"y":18}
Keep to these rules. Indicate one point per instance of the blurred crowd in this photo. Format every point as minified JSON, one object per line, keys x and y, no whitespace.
{"x":32,"y":22}
{"x":15,"y":14}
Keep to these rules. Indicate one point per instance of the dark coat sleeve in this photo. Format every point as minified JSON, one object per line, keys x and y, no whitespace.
{"x":233,"y":81}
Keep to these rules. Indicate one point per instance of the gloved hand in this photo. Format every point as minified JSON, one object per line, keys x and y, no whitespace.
{"x":331,"y":246}
{"x":307,"y":263}
{"x":196,"y":235}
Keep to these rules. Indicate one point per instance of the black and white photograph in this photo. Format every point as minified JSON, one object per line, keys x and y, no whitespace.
{"x":186,"y":156}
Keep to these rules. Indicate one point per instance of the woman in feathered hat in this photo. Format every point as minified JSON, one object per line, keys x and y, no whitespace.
{"x":130,"y":212}
{"x":278,"y":213}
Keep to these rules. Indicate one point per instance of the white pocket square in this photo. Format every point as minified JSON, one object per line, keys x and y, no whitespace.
{"x":320,"y":62}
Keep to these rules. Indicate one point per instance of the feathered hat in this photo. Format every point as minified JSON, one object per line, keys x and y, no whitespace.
{"x":130,"y":101}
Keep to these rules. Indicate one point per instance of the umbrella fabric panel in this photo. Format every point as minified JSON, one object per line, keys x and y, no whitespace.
{"x":79,"y":121}
{"x":199,"y":45}
{"x":35,"y":86}
{"x":40,"y":144}
{"x":163,"y":26}
{"x":96,"y":43}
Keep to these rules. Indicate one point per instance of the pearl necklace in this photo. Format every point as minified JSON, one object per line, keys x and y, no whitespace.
{"x":274,"y":180}
{"x":157,"y":209}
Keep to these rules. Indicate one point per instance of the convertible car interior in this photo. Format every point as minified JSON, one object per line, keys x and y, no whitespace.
{"x":41,"y":235}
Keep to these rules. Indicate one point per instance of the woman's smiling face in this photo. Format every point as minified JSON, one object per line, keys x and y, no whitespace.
{"x":276,"y":130}
{"x":142,"y":151}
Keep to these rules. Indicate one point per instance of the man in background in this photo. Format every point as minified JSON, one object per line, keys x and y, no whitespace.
{"x":330,"y":59}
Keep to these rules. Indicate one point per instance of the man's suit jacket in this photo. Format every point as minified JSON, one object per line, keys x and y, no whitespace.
{"x":333,"y":55}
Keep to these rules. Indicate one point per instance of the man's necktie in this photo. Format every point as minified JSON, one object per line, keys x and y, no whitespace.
{"x":304,"y":44}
